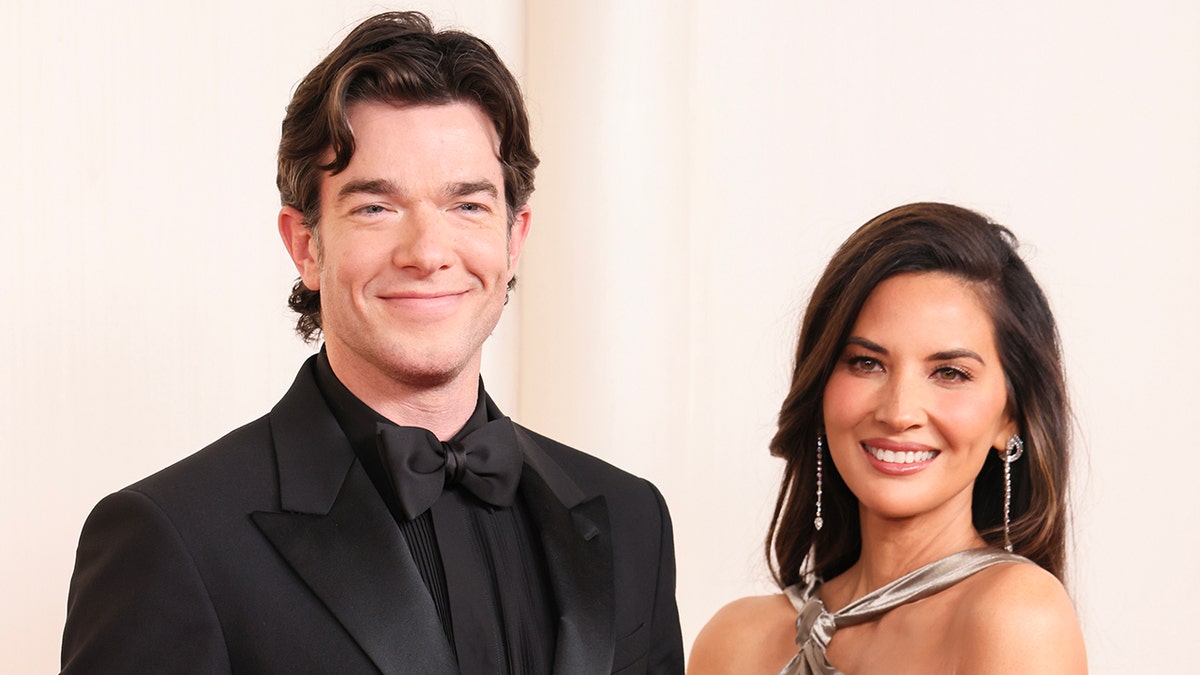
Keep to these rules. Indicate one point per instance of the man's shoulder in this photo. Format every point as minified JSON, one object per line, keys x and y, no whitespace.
{"x":246,"y":453}
{"x":242,"y":455}
{"x":578,"y":462}
{"x":629,"y":496}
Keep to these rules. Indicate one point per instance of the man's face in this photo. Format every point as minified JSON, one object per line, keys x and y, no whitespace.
{"x":415,"y":253}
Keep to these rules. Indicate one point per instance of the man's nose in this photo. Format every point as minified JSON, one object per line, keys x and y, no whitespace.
{"x":425,"y":244}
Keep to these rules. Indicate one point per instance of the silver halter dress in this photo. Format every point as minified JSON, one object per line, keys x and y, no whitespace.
{"x":815,"y":626}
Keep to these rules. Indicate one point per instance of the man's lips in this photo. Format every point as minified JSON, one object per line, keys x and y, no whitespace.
{"x":419,"y":295}
{"x":423,"y":301}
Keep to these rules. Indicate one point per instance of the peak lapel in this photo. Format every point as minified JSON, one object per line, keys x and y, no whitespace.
{"x":337,"y":534}
{"x":576,"y":540}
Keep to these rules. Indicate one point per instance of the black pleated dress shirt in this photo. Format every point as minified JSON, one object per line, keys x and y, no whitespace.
{"x":483,"y":565}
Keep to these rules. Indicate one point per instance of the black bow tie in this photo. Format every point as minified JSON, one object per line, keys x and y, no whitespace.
{"x":486,"y":463}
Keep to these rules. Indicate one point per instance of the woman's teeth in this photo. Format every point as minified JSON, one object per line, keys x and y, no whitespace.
{"x":892,"y":457}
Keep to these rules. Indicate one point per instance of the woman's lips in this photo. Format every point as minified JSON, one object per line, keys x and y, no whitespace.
{"x":898,"y":459}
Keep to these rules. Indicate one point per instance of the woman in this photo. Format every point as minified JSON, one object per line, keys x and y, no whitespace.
{"x":925,"y":432}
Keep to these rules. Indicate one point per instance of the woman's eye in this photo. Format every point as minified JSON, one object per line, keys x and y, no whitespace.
{"x":865,"y":364}
{"x":951,"y":374}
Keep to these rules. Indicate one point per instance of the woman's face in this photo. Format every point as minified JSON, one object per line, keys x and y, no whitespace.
{"x":918,"y":397}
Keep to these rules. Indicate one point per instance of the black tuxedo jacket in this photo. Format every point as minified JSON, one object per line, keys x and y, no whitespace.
{"x":270,"y":551}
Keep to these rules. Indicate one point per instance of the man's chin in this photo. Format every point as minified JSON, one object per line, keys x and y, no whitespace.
{"x":427,"y":373}
{"x":409,"y":362}
{"x":426,"y":378}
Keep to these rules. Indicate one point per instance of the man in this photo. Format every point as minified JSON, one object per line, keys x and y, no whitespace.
{"x":385,"y":516}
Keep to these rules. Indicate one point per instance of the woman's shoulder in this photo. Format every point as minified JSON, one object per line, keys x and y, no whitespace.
{"x":750,"y":635}
{"x":1016,"y":589}
{"x":1017,"y":617}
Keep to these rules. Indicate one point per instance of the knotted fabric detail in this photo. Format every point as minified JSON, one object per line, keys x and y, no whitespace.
{"x":486,"y":463}
{"x":814,"y":629}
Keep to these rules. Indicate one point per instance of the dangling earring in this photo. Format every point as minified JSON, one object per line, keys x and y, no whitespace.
{"x":1012,"y":452}
{"x":819,"y":521}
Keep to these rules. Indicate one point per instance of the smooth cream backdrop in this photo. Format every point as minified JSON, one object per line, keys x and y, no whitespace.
{"x":700,"y":165}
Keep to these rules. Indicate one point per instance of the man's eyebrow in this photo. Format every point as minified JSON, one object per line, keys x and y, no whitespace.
{"x":951,"y":354}
{"x":472,"y":187}
{"x":369,"y":186}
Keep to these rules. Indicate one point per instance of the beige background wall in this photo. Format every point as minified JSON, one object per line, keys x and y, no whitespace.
{"x":700,"y":165}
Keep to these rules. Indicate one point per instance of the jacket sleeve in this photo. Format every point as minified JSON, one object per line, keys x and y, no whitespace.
{"x":137,"y":603}
{"x":666,"y":647}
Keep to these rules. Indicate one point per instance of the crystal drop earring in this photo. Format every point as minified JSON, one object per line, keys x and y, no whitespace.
{"x":1012,"y":452}
{"x":819,"y":521}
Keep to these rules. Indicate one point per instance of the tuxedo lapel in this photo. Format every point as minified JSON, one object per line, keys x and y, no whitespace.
{"x":338,"y":536}
{"x":577,"y":544}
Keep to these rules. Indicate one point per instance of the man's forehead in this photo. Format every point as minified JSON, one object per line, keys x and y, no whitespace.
{"x":447,"y":109}
{"x":454,"y":111}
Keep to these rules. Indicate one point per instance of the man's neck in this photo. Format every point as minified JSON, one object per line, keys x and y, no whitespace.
{"x":442,"y":408}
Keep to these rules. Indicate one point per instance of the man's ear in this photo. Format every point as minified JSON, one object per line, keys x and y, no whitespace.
{"x":517,"y":234}
{"x":302,"y":246}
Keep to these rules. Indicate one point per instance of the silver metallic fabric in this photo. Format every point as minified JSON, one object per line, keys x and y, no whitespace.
{"x":815,"y":626}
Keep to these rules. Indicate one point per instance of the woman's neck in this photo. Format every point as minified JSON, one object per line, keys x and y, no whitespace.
{"x":892,"y":548}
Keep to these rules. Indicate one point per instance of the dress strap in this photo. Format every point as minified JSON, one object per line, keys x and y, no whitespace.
{"x":921,"y":583}
{"x":815,"y":626}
